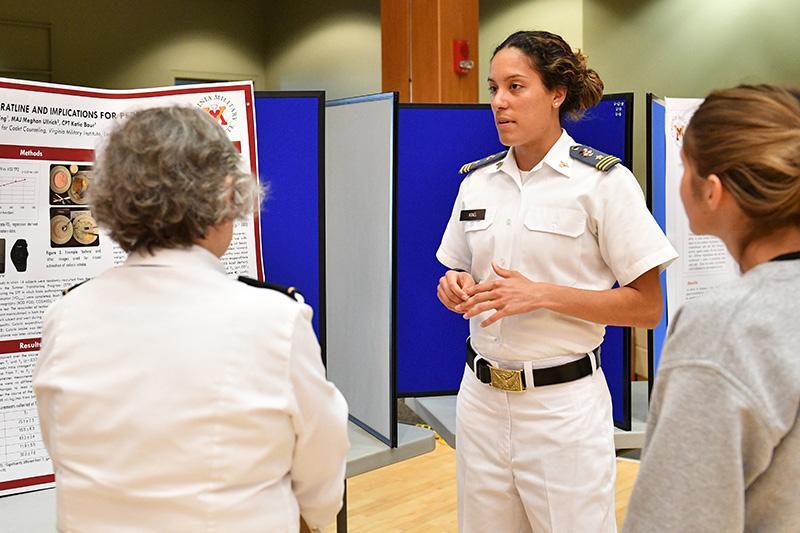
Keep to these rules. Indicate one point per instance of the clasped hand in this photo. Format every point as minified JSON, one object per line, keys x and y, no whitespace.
{"x":512,"y":294}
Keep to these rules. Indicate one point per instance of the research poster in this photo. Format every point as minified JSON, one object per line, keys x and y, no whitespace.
{"x":49,"y":238}
{"x":703,"y":261}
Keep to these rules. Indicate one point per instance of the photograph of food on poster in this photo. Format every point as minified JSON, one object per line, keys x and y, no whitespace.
{"x":50,"y":239}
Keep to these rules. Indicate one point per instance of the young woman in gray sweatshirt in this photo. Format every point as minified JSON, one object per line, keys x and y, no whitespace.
{"x":722,"y":451}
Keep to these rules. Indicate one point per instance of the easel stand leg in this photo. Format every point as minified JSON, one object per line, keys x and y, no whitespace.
{"x":341,"y":518}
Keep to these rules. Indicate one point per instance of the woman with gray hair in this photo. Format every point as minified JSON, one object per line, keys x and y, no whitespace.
{"x":171,"y":396}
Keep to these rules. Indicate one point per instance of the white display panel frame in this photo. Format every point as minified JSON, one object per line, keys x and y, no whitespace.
{"x":360,"y":173}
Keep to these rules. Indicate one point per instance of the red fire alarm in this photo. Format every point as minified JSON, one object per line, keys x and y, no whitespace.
{"x":462,"y":64}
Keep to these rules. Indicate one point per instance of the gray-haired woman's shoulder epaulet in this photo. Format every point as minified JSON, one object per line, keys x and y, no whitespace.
{"x":593,"y":157}
{"x":64,"y":292}
{"x":291,"y":292}
{"x":480,"y":163}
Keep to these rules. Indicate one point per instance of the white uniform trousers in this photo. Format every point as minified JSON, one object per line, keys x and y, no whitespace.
{"x":542,"y":460}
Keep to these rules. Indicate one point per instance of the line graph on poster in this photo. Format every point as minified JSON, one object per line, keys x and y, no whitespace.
{"x":18,"y":191}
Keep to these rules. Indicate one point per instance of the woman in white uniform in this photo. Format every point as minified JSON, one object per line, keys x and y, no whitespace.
{"x":536,"y":240}
{"x":172,"y":397}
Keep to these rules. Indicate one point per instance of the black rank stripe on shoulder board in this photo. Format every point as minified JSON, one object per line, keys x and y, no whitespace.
{"x":291,"y":292}
{"x":69,"y":289}
{"x":469,"y":167}
{"x":595,"y":158}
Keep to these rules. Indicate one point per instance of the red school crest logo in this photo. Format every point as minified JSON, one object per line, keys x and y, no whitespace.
{"x":218,"y":113}
{"x":222,"y":110}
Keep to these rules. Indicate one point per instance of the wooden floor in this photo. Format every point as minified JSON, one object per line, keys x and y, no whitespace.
{"x":419,"y":495}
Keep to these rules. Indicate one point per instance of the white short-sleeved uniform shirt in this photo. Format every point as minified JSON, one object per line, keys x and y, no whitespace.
{"x":564,"y":222}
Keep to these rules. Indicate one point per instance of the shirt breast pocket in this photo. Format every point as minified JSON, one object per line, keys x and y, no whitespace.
{"x":553,"y":244}
{"x":478,"y":232}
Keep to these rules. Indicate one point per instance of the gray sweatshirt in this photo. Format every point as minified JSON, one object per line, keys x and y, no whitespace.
{"x":722,"y":451}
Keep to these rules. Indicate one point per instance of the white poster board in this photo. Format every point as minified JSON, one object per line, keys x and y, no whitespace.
{"x":703,"y":261}
{"x":49,"y":238}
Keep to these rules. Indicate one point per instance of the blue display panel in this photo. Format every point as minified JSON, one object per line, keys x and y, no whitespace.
{"x":657,"y":201}
{"x":616,"y":362}
{"x":290,"y":130}
{"x":434,"y":141}
{"x":607,"y":127}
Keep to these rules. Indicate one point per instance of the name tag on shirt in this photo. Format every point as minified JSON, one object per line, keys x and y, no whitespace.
{"x":468,"y":215}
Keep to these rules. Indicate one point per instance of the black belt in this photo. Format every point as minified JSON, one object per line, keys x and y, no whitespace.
{"x":514,"y":380}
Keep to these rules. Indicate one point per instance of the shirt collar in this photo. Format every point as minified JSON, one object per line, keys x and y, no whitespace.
{"x":508,"y":165}
{"x":191,"y":257}
{"x":556,"y":158}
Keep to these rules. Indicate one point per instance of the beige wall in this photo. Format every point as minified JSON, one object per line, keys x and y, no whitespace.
{"x":304,"y":45}
{"x":340,"y":54}
{"x":686,"y":48}
{"x":128,"y":44}
{"x":336,"y":45}
{"x":500,"y":18}
{"x":319,"y":44}
{"x":674,"y":47}
{"x":315,"y":44}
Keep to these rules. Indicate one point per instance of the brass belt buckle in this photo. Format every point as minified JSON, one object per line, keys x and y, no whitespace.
{"x":505,"y":379}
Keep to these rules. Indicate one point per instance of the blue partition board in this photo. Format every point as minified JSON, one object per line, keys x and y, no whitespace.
{"x":656,"y":186}
{"x":607,"y":127}
{"x":434,"y":141}
{"x":290,"y":130}
{"x":615,"y":360}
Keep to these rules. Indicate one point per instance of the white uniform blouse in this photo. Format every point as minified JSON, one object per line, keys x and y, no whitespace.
{"x":565,"y":223}
{"x":173,"y":398}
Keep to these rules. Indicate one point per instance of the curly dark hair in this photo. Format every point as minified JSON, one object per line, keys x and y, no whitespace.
{"x":165,"y":176}
{"x":559,"y":66}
